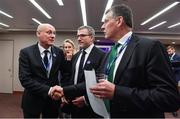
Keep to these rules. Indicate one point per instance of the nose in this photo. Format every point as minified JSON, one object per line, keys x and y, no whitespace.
{"x":102,"y":27}
{"x":53,"y":35}
{"x":79,"y":38}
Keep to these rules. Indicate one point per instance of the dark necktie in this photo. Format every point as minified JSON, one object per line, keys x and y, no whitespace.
{"x":80,"y":72}
{"x":45,"y":59}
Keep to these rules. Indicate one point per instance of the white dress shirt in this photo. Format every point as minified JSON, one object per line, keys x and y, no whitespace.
{"x":118,"y":60}
{"x":87,"y":50}
{"x":41,"y":49}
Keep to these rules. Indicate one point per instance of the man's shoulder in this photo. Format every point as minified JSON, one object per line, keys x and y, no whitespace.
{"x":29,"y":47}
{"x":144,"y":41}
{"x":98,"y":50}
{"x":57,"y":49}
{"x":177,"y":57}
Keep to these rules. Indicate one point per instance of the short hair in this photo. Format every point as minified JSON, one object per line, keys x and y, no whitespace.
{"x":170,"y":47}
{"x":89,"y":28}
{"x":124,"y":11}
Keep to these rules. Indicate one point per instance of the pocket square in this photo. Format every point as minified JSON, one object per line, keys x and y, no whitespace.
{"x":88,"y":62}
{"x":54,"y":55}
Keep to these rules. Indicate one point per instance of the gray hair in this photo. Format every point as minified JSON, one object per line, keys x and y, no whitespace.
{"x":124,"y":11}
{"x":89,"y":28}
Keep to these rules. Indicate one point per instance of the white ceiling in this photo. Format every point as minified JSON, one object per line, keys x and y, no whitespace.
{"x":68,"y":17}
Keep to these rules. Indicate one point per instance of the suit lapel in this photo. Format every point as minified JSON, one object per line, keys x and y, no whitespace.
{"x":39,"y":58}
{"x":74,"y":61}
{"x":90,"y":59}
{"x":86,"y":65}
{"x":54,"y":58}
{"x":125,"y":59}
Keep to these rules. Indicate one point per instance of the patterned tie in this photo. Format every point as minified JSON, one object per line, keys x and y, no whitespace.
{"x":112,"y":56}
{"x":45,"y":59}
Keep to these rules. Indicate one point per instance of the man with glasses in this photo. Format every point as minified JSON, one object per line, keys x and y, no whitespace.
{"x":89,"y":57}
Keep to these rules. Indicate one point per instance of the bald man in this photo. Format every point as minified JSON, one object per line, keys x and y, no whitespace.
{"x":39,"y":65}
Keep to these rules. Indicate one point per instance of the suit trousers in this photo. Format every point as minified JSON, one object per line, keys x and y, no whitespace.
{"x":49,"y":110}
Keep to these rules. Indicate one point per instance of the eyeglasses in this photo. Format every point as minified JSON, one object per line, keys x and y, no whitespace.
{"x":83,"y":35}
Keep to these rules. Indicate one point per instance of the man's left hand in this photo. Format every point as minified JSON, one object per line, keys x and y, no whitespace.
{"x":104,"y":89}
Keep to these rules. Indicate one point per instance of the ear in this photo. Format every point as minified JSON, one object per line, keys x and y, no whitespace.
{"x":37,"y":33}
{"x":119,"y":20}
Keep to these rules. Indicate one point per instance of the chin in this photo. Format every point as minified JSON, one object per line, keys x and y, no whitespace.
{"x":50,"y":44}
{"x":81,"y":46}
{"x":106,"y":36}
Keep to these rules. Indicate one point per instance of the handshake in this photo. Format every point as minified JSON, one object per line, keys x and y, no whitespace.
{"x":57,"y":93}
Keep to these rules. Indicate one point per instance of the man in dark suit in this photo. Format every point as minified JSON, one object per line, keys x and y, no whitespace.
{"x":174,"y":58}
{"x":141,"y":82}
{"x":79,"y":106}
{"x":39,"y":65}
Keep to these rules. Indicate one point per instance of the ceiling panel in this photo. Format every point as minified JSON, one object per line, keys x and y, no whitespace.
{"x":69,"y":18}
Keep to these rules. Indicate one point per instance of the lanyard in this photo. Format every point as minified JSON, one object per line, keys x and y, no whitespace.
{"x":108,"y":68}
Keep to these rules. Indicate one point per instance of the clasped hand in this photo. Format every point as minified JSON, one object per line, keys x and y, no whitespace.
{"x":57,"y":94}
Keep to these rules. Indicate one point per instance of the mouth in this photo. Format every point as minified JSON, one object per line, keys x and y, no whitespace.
{"x":80,"y":42}
{"x":52,"y":40}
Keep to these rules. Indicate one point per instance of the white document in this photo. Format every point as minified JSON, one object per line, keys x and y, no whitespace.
{"x":97,"y":104}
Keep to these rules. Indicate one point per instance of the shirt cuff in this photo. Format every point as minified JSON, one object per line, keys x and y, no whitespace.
{"x":50,"y":91}
{"x":85,"y":100}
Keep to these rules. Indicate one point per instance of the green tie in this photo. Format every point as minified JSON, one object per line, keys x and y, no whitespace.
{"x":112,"y":56}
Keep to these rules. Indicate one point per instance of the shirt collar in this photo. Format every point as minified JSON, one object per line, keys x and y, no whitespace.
{"x":88,"y":50}
{"x":173,"y":55}
{"x":125,"y":37}
{"x":41,"y":49}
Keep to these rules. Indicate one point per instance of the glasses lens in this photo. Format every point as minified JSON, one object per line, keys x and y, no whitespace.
{"x":83,"y":35}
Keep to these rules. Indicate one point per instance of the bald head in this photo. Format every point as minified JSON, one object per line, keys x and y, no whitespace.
{"x":46,"y":34}
{"x":43,"y":26}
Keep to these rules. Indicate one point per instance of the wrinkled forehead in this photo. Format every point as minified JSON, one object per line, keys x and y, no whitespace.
{"x":44,"y":27}
{"x":109,"y":15}
{"x":82,"y":31}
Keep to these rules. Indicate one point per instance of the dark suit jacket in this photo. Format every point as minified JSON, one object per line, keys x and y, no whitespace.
{"x":94,"y":61}
{"x":32,"y":76}
{"x":176,"y":67}
{"x":144,"y":81}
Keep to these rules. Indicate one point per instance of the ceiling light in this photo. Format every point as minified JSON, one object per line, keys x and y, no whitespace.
{"x":40,"y":8}
{"x":159,"y":13}
{"x":173,"y":42}
{"x":158,"y":25}
{"x":109,"y":4}
{"x":1,"y":12}
{"x":2,"y":24}
{"x":60,"y":2}
{"x":35,"y":20}
{"x":83,"y":11}
{"x":174,"y":25}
